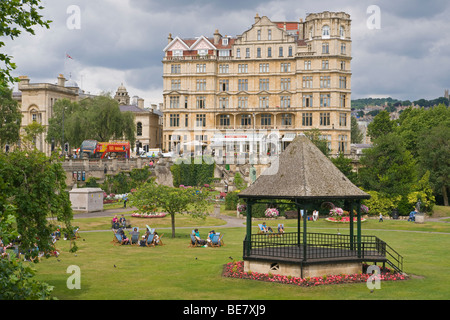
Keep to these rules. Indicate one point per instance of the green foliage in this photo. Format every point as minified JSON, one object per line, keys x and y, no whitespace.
{"x":17,"y":16}
{"x":97,"y":118}
{"x":123,"y":182}
{"x":10,"y":117}
{"x":345,"y":166}
{"x":381,"y":203}
{"x":356,"y":134}
{"x":239,"y":182}
{"x":322,"y":144}
{"x":231,"y":200}
{"x":381,"y":125}
{"x":192,"y":172}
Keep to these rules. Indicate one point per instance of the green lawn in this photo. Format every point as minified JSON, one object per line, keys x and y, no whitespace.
{"x":175,"y":271}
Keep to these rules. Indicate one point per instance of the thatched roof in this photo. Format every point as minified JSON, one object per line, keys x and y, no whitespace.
{"x":303,"y":172}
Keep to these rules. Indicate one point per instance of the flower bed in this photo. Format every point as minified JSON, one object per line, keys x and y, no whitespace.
{"x":149,"y":215}
{"x":236,"y":270}
{"x":343,"y":219}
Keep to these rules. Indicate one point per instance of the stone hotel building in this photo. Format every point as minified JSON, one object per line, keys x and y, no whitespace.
{"x":285,"y":77}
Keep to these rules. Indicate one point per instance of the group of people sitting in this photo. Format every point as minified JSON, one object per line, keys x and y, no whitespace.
{"x":119,"y":223}
{"x":135,"y":237}
{"x":204,"y":242}
{"x":266,"y":229}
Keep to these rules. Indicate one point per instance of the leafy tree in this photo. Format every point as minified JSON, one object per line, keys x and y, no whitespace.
{"x":388,"y":167}
{"x":320,"y":143}
{"x":97,"y":118}
{"x":381,"y":125}
{"x":356,"y":134}
{"x":17,"y":16}
{"x":434,"y":155}
{"x":171,"y":200}
{"x":345,"y":166}
{"x":10,"y":118}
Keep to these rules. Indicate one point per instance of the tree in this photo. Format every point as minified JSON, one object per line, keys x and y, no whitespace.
{"x":434,"y":155}
{"x":10,"y":118}
{"x":97,"y":118}
{"x":174,"y":201}
{"x":320,"y":143}
{"x":381,"y":125}
{"x":345,"y":166}
{"x":356,"y":134}
{"x":17,"y":16}
{"x":388,"y":167}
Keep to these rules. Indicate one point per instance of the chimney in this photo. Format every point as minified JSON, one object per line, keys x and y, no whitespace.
{"x":140,"y":103}
{"x":217,"y":37}
{"x":169,"y":38}
{"x":257,"y":18}
{"x":61,"y":80}
{"x":23,"y":81}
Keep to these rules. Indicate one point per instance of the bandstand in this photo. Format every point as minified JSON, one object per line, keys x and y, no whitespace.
{"x":304,"y":177}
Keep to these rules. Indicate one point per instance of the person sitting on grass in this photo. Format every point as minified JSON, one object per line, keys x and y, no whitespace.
{"x":200,"y":241}
{"x":280,"y":228}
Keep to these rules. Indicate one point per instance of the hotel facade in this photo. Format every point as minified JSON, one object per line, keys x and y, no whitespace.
{"x":277,"y":79}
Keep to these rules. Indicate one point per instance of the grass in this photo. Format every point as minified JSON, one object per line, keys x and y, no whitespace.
{"x":175,"y":271}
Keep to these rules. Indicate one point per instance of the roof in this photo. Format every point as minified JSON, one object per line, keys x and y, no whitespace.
{"x":303,"y":172}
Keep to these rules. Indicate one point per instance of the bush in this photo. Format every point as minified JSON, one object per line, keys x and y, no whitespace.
{"x":231,"y":200}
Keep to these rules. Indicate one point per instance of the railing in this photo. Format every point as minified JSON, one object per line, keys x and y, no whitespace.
{"x":320,"y":246}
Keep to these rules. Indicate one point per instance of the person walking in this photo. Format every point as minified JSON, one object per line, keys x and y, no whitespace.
{"x":381,"y":218}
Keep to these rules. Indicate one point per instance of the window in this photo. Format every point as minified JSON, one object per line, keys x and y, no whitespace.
{"x":264,"y":102}
{"x":325,"y":82}
{"x":325,"y":48}
{"x":285,"y":67}
{"x":324,"y":118}
{"x":176,"y":84}
{"x":224,"y":53}
{"x":224,"y":120}
{"x":263,"y":84}
{"x":343,"y":82}
{"x":286,"y":119}
{"x":224,"y":68}
{"x":242,"y":102}
{"x":280,"y":51}
{"x":307,"y":82}
{"x":325,"y":100}
{"x":186,"y":121}
{"x":307,"y":64}
{"x":324,"y":64}
{"x":342,"y":101}
{"x":223,"y":102}
{"x":201,"y":84}
{"x":342,"y":119}
{"x":247,"y":52}
{"x":327,"y":138}
{"x":225,"y":41}
{"x":174,"y":120}
{"x":342,"y":65}
{"x":342,"y":32}
{"x":266,"y":119}
{"x":202,"y":52}
{"x":263,"y":67}
{"x":174,"y":102}
{"x":269,"y":34}
{"x":342,"y":147}
{"x":246,"y":120}
{"x":201,"y":102}
{"x":258,"y":52}
{"x":200,"y":120}
{"x":175,"y":68}
{"x":285,"y":84}
{"x":307,"y":100}
{"x":201,"y":68}
{"x":242,"y":68}
{"x":343,"y":48}
{"x":243,"y":84}
{"x":238,"y":53}
{"x":290,"y":52}
{"x":307,"y":119}
{"x":325,"y":32}
{"x":139,"y":129}
{"x":223,"y":85}
{"x":177,"y":53}
{"x":258,"y":36}
{"x":269,"y":52}
{"x":285,"y":101}
{"x":185,"y":102}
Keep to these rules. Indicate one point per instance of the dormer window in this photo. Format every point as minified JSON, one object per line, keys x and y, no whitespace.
{"x":325,"y":32}
{"x":203,"y":52}
{"x":177,"y":53}
{"x":225,"y":41}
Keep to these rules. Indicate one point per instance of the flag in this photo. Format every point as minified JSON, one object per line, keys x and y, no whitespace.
{"x":69,"y":56}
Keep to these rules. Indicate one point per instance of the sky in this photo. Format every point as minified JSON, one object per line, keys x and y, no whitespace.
{"x":400,"y":48}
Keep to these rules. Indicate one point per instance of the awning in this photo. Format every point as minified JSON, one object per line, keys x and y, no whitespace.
{"x":237,"y":137}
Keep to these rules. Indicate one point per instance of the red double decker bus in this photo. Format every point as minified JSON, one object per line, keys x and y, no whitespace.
{"x":95,"y":149}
